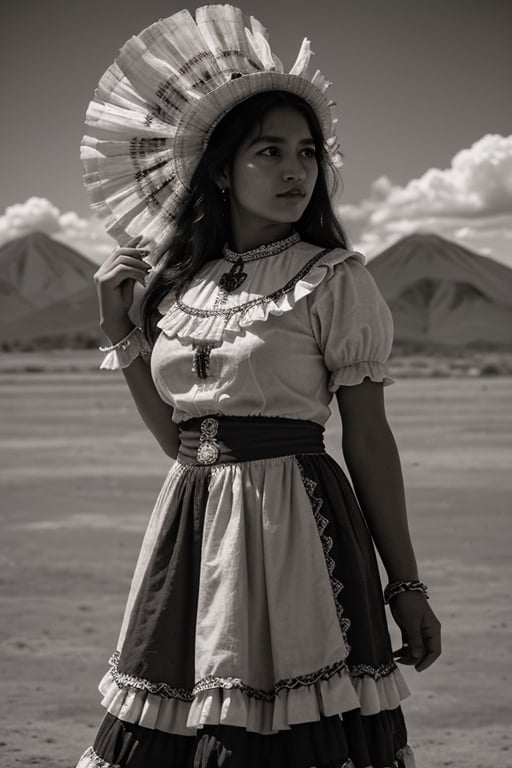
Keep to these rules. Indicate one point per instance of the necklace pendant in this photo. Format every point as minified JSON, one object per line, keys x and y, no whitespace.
{"x":201,"y":363}
{"x":233,"y":279}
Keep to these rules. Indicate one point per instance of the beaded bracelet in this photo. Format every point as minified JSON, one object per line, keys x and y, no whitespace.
{"x":395,"y":587}
{"x":122,"y":354}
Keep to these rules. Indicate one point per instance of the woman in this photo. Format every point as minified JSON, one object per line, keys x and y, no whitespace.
{"x":255,"y":632}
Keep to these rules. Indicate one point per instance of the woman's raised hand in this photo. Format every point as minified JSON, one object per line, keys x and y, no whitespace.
{"x":115,"y":281}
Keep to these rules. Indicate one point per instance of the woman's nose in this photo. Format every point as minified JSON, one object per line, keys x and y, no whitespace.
{"x":294,"y":173}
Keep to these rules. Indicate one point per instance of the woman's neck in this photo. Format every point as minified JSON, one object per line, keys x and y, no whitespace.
{"x":245,"y":238}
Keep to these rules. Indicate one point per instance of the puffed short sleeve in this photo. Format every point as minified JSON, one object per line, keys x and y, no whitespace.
{"x":352,"y":325}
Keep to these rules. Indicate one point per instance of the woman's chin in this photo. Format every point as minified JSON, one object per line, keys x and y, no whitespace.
{"x":288,"y":215}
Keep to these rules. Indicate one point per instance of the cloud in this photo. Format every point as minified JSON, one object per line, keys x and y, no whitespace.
{"x":469,"y":200}
{"x":38,"y":214}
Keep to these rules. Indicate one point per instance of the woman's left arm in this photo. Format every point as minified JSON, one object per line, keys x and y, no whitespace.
{"x":374,"y":465}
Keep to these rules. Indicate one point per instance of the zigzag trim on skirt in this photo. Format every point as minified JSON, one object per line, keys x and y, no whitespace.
{"x":327,"y":544}
{"x":365,"y":670}
{"x":165,"y":691}
{"x":355,"y":670}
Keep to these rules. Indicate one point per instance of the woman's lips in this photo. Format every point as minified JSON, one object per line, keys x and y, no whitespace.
{"x":292,"y":195}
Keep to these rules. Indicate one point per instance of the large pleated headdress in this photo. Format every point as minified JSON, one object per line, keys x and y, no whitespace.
{"x":156,"y":106}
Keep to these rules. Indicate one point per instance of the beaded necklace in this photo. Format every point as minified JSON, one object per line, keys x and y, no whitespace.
{"x":233,"y":279}
{"x":262,"y":251}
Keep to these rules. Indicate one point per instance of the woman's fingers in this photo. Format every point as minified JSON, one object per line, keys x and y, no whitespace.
{"x":141,"y":242}
{"x":135,"y":253}
{"x":422,"y":649}
{"x":116,"y":277}
{"x":432,"y":640}
{"x":416,"y":646}
{"x":111,"y":267}
{"x":131,"y":261}
{"x":404,"y":655}
{"x":420,"y":628}
{"x":120,"y":272}
{"x":125,"y":250}
{"x":426,"y":661}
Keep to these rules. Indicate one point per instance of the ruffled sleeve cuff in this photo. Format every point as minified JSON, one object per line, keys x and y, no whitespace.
{"x":355,"y":373}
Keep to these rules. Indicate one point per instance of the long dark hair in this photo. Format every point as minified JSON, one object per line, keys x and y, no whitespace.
{"x":202,"y":225}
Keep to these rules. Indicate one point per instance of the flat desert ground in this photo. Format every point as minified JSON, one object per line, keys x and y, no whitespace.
{"x":79,"y":474}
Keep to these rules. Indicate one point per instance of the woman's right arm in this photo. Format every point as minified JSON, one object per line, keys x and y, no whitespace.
{"x":115,"y":281}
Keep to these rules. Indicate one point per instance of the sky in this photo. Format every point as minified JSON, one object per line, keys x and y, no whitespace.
{"x":423,"y":100}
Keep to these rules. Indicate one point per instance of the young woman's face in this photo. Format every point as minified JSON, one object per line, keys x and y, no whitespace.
{"x":274,"y":171}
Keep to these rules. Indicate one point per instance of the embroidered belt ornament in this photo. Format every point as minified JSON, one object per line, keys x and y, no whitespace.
{"x":208,"y":451}
{"x":233,"y":279}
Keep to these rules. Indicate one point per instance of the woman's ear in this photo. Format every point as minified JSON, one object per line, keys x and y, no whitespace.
{"x":221,"y":179}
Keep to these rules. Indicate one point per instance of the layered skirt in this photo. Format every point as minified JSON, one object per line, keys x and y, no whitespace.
{"x":255,"y":634}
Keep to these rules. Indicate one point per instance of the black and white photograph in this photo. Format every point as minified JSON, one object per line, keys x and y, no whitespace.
{"x":256,"y":384}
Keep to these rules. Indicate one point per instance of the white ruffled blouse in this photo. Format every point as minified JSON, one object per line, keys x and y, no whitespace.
{"x":303,"y":323}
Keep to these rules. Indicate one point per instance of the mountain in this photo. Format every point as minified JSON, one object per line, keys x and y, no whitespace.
{"x":46,"y":290}
{"x":440,"y":292}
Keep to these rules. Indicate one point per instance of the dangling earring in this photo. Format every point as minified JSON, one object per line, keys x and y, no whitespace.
{"x":224,"y":194}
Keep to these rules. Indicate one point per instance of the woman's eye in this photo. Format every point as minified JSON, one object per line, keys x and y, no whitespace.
{"x":310,"y":152}
{"x":270,"y":151}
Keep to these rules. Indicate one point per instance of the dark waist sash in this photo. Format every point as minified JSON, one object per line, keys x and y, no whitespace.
{"x":220,"y":439}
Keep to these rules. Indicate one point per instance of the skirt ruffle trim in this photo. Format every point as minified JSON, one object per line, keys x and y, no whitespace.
{"x":232,"y":706}
{"x":404,"y":757}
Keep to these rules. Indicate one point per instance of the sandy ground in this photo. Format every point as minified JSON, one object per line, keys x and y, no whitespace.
{"x":78,"y":477}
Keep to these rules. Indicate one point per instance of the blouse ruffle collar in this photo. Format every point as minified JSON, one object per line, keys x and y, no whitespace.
{"x":206,"y":314}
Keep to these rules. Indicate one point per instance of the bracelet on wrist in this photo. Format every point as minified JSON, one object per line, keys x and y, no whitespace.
{"x":124,"y":352}
{"x":396,"y":587}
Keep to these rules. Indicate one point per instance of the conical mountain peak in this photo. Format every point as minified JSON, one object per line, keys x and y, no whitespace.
{"x":37,"y":273}
{"x":440,"y":291}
